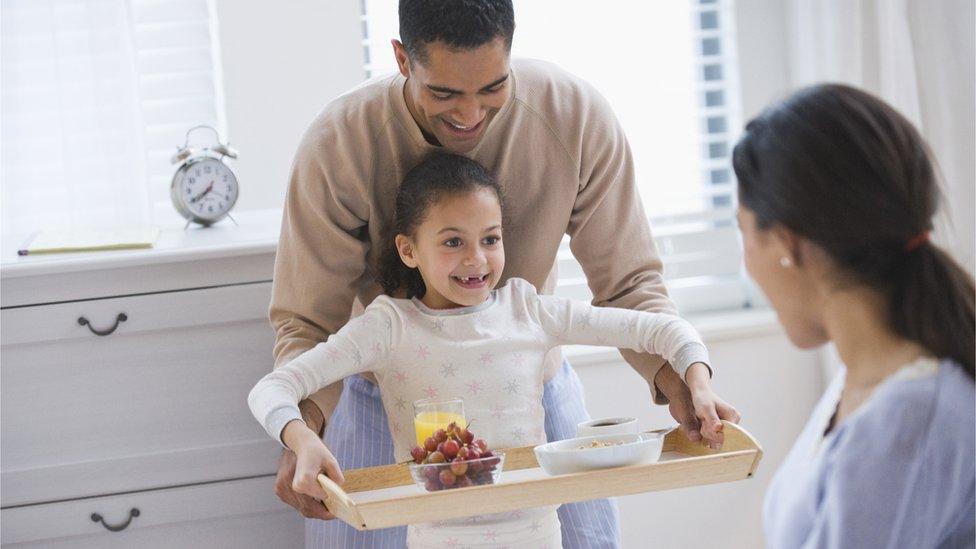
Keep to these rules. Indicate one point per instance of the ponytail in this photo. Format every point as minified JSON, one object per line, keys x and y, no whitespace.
{"x":932,"y":301}
{"x":394,"y":276}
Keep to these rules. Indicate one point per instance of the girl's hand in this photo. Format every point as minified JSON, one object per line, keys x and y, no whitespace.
{"x":709,"y":408}
{"x":312,"y":458}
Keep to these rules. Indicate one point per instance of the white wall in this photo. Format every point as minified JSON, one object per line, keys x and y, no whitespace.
{"x":762,"y":54}
{"x":772,"y":384}
{"x":282,"y":62}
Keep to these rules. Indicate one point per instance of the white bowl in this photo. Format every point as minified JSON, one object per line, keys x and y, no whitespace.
{"x":566,"y":456}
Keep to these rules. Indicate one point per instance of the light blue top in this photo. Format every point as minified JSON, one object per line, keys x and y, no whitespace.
{"x":898,"y":472}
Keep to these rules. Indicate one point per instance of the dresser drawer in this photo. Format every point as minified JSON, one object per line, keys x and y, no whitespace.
{"x":143,"y":313}
{"x":160,"y":401}
{"x":242,"y":513}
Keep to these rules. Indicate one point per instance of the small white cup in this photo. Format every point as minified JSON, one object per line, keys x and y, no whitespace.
{"x":607,"y":426}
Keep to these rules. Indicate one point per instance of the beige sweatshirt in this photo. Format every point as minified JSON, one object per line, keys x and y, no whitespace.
{"x":556,"y":148}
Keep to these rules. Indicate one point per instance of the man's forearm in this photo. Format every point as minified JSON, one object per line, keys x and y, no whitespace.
{"x":312,"y":416}
{"x":317,"y":409}
{"x":668,"y":384}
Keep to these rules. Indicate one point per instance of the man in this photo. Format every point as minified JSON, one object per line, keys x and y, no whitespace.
{"x":566,"y":167}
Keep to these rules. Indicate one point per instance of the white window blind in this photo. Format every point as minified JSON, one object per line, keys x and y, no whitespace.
{"x":96,"y":95}
{"x":669,"y":70}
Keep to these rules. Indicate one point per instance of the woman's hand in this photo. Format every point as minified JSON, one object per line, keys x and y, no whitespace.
{"x":311,"y":458}
{"x":709,"y":408}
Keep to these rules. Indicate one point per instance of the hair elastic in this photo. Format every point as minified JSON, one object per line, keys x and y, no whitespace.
{"x":917,"y":241}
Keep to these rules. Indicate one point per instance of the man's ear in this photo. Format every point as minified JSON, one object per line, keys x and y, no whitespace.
{"x":402,"y":59}
{"x":405,"y":248}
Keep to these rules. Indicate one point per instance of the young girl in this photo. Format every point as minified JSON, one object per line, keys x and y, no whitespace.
{"x":453,"y":334}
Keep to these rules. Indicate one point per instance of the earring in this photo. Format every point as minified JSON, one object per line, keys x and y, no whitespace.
{"x":785,"y":262}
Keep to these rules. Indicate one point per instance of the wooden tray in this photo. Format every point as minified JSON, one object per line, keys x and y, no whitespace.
{"x":381,"y":497}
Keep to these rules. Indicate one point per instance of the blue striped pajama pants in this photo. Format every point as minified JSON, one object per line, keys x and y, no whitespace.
{"x":359,"y":436}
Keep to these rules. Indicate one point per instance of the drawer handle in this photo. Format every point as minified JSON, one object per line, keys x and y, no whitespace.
{"x":118,"y":320}
{"x":132,"y":514}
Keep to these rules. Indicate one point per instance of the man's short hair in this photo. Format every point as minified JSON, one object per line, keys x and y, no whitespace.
{"x":460,"y":24}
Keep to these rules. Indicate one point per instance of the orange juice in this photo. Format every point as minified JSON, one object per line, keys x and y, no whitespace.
{"x":426,"y":422}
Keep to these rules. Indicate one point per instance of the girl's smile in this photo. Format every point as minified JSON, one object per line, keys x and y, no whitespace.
{"x":471,"y":282}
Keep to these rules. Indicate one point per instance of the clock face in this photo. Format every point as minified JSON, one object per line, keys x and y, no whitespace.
{"x":208,"y":189}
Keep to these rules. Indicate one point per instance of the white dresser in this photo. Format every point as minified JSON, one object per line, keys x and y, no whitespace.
{"x":123,"y":379}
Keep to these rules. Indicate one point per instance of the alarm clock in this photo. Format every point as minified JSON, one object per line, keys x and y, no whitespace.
{"x":204,"y":189}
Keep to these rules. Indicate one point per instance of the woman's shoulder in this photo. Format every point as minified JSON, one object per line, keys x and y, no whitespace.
{"x":923,"y":411}
{"x":932,"y":394}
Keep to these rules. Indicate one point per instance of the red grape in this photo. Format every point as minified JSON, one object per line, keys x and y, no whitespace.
{"x":450,"y":449}
{"x":440,"y":435}
{"x":447,"y":478}
{"x":430,"y":444}
{"x":459,"y":467}
{"x":431,"y":473}
{"x":432,"y":485}
{"x":480,"y":443}
{"x":436,"y":457}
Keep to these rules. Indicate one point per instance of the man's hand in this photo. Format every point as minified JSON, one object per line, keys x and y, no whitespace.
{"x":681,"y":406}
{"x":307,"y":506}
{"x":284,"y":483}
{"x":692,"y":409}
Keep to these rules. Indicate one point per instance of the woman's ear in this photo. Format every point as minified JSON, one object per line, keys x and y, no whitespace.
{"x":405,"y":248}
{"x":788,"y":244}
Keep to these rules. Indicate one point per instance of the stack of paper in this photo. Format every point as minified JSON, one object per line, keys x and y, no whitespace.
{"x":87,"y":240}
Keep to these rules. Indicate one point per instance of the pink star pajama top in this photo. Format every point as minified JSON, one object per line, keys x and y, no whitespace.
{"x":492,"y":356}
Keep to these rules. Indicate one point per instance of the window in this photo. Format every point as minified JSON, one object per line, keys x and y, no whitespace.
{"x":96,"y":95}
{"x":669,"y":71}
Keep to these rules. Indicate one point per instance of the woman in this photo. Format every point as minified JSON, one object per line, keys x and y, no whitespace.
{"x":837,"y":192}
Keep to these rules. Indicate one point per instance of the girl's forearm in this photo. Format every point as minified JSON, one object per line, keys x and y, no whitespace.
{"x":697,"y":377}
{"x":296,"y":434}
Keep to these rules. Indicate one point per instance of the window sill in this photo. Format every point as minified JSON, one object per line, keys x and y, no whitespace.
{"x":713,"y":327}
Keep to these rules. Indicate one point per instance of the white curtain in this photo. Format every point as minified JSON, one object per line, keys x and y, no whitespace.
{"x":97,"y":94}
{"x":71,"y":121}
{"x":920,"y":57}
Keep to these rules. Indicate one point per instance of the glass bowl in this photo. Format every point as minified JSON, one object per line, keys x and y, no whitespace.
{"x":458,"y":474}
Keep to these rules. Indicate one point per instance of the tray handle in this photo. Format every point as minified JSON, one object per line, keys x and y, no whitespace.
{"x":736,"y":438}
{"x":336,"y":494}
{"x":340,"y":504}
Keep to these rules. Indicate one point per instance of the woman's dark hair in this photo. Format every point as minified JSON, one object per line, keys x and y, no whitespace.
{"x":843,"y":169}
{"x":460,"y":24}
{"x":438,"y":176}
